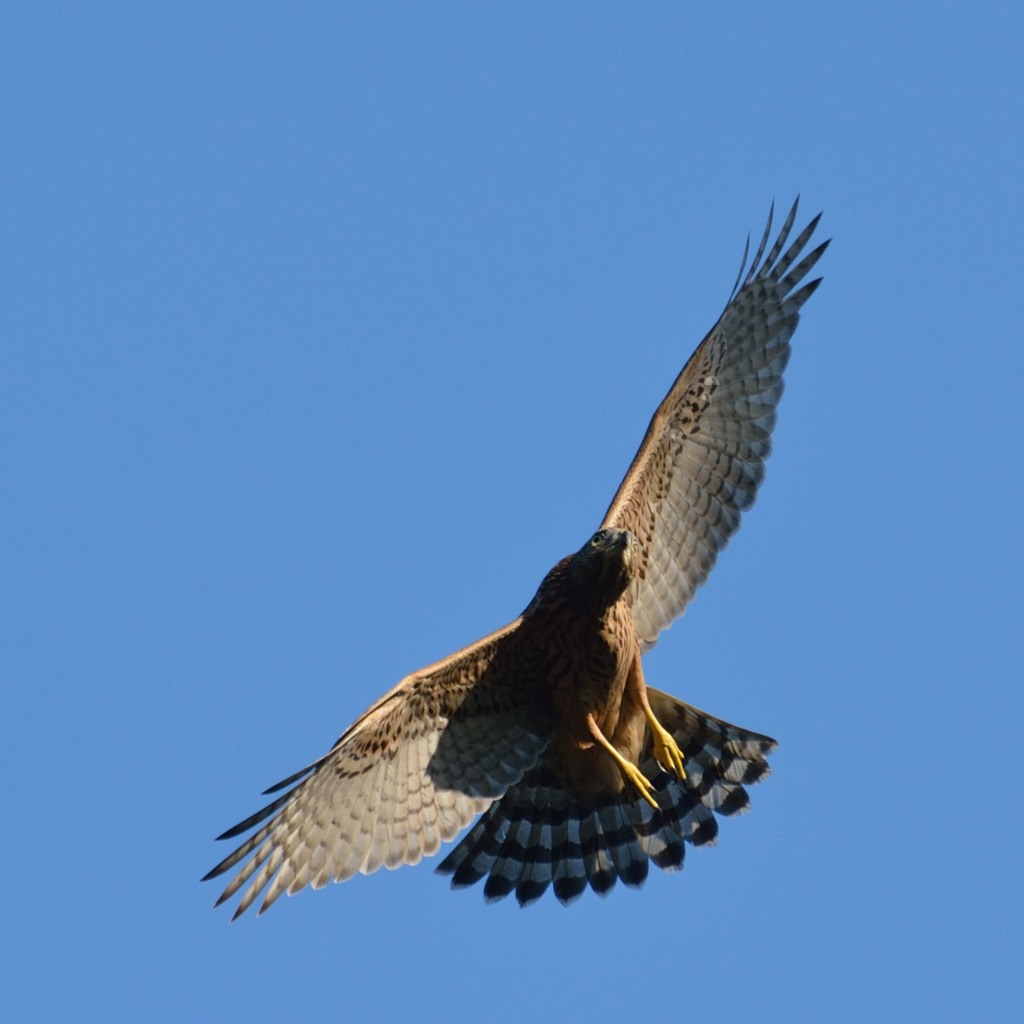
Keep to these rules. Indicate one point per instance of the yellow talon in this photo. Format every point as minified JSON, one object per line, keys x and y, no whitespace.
{"x":642,"y":783}
{"x":630,"y":772}
{"x":666,"y":750}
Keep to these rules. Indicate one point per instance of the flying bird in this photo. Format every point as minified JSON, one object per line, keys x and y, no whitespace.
{"x":578,"y":773}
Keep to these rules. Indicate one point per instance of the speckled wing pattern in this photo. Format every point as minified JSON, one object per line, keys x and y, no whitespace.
{"x":411,"y":773}
{"x":539,"y":835}
{"x":702,"y":458}
{"x":486,"y":731}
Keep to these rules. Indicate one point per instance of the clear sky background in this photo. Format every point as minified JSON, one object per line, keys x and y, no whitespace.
{"x":327,"y":331}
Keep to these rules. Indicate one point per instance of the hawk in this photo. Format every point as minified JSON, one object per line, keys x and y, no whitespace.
{"x":581,"y":774}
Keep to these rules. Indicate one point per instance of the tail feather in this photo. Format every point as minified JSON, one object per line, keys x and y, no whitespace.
{"x":539,"y":836}
{"x":570,"y":874}
{"x":597,"y":860}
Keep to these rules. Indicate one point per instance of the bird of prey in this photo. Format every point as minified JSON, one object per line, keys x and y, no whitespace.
{"x":581,"y":774}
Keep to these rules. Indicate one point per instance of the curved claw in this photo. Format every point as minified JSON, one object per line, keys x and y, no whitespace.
{"x":643,"y":784}
{"x":666,"y":750}
{"x":630,"y":772}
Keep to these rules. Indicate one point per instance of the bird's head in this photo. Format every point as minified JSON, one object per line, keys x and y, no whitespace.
{"x":596,"y":576}
{"x":608,"y":559}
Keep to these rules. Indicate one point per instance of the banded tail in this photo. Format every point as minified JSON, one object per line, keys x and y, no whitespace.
{"x":538,"y":835}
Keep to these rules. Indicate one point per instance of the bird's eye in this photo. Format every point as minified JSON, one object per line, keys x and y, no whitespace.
{"x":596,"y":539}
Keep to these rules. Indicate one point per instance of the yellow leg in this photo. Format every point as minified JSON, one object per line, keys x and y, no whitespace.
{"x":630,"y":772}
{"x":666,"y":750}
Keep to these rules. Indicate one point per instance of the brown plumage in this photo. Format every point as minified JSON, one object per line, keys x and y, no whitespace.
{"x":584,"y":774}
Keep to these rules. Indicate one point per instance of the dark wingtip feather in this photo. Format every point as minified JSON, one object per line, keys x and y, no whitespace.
{"x":813,"y":223}
{"x":301,"y":774}
{"x":743,"y":266}
{"x":756,"y":263}
{"x":787,"y":227}
{"x":255,"y":819}
{"x":228,"y":862}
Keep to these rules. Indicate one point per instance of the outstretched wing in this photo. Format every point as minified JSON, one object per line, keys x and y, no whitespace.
{"x":702,"y":458}
{"x":411,"y":773}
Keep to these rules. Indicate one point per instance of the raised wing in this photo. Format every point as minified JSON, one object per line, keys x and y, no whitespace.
{"x":702,"y":458}
{"x":411,"y":773}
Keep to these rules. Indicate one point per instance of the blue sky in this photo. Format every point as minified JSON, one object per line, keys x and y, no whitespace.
{"x":327,"y":331}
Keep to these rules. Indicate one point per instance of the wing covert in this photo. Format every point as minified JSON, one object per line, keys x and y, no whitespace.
{"x":409,"y":774}
{"x":702,"y":458}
